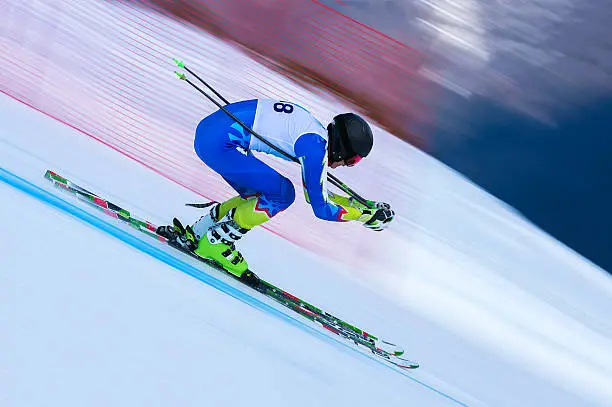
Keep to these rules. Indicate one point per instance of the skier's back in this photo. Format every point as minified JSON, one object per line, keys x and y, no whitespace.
{"x":225,"y":146}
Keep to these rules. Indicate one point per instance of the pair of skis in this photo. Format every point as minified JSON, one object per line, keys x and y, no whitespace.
{"x":384,"y":350}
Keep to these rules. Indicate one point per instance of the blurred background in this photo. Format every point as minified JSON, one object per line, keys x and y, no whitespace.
{"x":525,"y":106}
{"x":514,"y":94}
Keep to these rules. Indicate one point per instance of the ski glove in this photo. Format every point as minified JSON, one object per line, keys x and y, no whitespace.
{"x":378,"y":217}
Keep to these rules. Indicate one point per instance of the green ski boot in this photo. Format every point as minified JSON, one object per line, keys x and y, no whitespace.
{"x":218,"y":245}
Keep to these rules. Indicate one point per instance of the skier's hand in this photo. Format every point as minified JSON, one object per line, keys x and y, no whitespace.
{"x":378,"y":217}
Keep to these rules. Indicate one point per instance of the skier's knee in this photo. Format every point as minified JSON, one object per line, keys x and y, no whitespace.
{"x":287,"y":196}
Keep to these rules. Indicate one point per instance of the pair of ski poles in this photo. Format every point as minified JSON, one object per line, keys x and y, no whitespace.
{"x":332,"y":179}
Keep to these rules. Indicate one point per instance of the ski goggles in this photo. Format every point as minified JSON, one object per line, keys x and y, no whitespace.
{"x":353,"y":160}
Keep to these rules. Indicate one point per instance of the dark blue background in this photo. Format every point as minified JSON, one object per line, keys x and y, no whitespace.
{"x":534,"y":127}
{"x":558,"y":176}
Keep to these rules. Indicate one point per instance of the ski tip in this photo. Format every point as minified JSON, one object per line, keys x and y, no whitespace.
{"x":181,"y":75}
{"x":390,"y":348}
{"x":405,"y":363}
{"x":179,"y":63}
{"x":412,"y":366}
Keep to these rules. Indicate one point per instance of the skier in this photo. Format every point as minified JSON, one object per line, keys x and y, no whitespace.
{"x":225,"y":146}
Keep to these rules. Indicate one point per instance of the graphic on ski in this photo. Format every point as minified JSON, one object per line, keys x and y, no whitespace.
{"x":383,"y":349}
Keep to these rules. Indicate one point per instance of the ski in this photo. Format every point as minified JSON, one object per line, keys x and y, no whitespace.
{"x":388,"y":351}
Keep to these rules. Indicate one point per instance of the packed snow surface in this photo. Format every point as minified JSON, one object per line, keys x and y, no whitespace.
{"x":496,"y":311}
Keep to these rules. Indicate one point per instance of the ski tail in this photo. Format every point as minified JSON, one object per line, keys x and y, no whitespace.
{"x":107,"y":207}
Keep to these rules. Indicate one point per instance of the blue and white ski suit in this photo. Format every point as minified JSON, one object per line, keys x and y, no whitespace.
{"x":224,"y":146}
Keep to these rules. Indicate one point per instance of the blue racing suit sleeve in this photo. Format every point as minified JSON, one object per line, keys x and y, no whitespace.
{"x":311,"y":150}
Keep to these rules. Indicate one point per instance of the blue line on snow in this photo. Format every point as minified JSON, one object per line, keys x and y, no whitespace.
{"x":134,"y":241}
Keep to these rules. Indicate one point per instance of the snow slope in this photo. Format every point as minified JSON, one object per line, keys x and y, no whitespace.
{"x":497,"y":312}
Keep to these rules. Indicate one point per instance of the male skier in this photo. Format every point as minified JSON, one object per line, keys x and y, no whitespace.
{"x":225,"y":146}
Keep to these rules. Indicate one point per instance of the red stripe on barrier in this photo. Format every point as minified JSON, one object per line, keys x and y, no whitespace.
{"x":104,"y":69}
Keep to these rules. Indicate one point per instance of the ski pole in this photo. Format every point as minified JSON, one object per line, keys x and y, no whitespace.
{"x":333,"y":179}
{"x":181,"y":64}
{"x":230,"y":114}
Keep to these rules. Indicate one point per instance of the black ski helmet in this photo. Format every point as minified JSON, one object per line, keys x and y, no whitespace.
{"x":350,"y":137}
